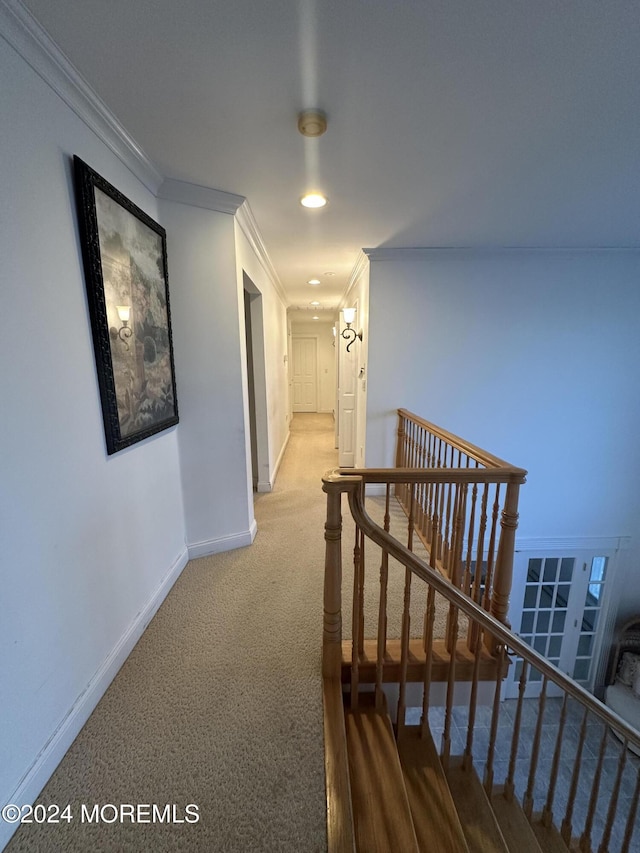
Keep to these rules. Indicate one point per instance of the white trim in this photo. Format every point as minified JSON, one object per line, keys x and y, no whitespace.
{"x":361,"y":264}
{"x":223,"y":543}
{"x":199,"y":196}
{"x":568,"y":543}
{"x":52,"y":753}
{"x":424,"y":252}
{"x":23,"y":32}
{"x":249,"y":227}
{"x":276,"y":467}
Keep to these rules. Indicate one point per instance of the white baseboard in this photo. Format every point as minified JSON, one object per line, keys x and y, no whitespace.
{"x":276,"y":467}
{"x":61,"y":739}
{"x":224,"y":543}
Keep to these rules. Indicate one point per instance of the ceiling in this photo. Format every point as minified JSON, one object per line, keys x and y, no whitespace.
{"x":492,"y":123}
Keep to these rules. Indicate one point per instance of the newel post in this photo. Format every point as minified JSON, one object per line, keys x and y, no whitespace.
{"x":503,"y":577}
{"x":332,"y":627}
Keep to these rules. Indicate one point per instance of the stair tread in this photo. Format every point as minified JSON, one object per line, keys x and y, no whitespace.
{"x":415,"y":667}
{"x":516,"y":829}
{"x":548,"y":837}
{"x":480,"y":826}
{"x":435,"y":818}
{"x":381,"y":810}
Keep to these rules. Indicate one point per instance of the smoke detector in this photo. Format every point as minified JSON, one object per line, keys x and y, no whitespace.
{"x":312,"y":123}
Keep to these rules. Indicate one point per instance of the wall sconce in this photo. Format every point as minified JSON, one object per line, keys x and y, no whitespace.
{"x":350,"y":334}
{"x":124,"y":332}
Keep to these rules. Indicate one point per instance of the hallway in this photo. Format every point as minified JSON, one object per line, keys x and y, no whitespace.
{"x":219,"y":704}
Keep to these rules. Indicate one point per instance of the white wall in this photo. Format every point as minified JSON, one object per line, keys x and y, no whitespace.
{"x":533,"y":355}
{"x":89,"y":543}
{"x":210,"y":375}
{"x":274,"y":332}
{"x":323,"y":333}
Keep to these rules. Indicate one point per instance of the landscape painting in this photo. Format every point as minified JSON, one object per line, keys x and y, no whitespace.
{"x":125,"y":263}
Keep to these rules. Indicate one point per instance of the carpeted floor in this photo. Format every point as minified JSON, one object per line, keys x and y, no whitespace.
{"x":219,"y":704}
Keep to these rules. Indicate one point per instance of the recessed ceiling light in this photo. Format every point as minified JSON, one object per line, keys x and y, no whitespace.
{"x":329,"y":273}
{"x":315,"y":304}
{"x":313,"y":200}
{"x":314,"y":281}
{"x":316,"y":318}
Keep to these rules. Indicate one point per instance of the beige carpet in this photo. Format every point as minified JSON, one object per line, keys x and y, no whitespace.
{"x":219,"y":704}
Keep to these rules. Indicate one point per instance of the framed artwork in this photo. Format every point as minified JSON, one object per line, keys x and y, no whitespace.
{"x":125,"y":266}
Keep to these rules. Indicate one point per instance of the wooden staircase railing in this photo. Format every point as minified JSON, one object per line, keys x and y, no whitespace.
{"x":463,"y":523}
{"x":546,"y":778}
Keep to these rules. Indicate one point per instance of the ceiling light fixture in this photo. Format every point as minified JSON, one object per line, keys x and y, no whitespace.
{"x":314,"y":281}
{"x":315,"y":304}
{"x":313,"y":200}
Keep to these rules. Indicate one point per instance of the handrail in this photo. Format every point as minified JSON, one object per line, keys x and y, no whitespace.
{"x":456,"y":441}
{"x":351,"y":483}
{"x":506,"y":474}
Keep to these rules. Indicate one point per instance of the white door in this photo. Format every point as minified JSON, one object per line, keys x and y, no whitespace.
{"x":304,"y":359}
{"x":347,"y":386}
{"x":562,"y":614}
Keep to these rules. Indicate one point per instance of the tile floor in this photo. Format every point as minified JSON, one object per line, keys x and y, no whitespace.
{"x":569,"y":746}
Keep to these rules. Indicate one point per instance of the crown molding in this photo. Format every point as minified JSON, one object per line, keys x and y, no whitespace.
{"x":573,"y":543}
{"x":23,"y":32}
{"x":426,"y":252}
{"x":359,"y":268}
{"x":196,"y":195}
{"x":249,"y":227}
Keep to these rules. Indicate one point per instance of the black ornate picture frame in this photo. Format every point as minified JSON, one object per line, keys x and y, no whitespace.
{"x":125,"y":266}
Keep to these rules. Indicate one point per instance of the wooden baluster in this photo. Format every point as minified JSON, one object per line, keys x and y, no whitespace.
{"x":430,"y":489}
{"x":488,"y":770}
{"x":451,"y":684}
{"x":566,"y":830}
{"x":457,"y":543}
{"x":527,"y":803}
{"x":429,"y":619}
{"x":492,"y":548}
{"x":446,"y":528}
{"x":585,"y":838}
{"x":477,"y":579}
{"x":467,"y":760}
{"x":435,"y":528}
{"x":422,"y":489}
{"x":466,"y":585}
{"x":361,"y":594}
{"x":382,"y":626}
{"x":404,"y":652}
{"x":401,"y":451}
{"x":411,"y":519}
{"x":631,"y":819}
{"x":439,"y":549}
{"x":613,"y":803}
{"x":506,"y":549}
{"x":332,"y":623}
{"x":382,"y":610}
{"x":509,"y":785}
{"x":355,"y":624}
{"x":547,"y":811}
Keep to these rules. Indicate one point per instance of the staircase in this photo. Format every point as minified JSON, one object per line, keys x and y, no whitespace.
{"x":403,"y":799}
{"x":390,"y":787}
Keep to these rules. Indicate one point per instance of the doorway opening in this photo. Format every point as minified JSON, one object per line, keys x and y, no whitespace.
{"x":257,"y":386}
